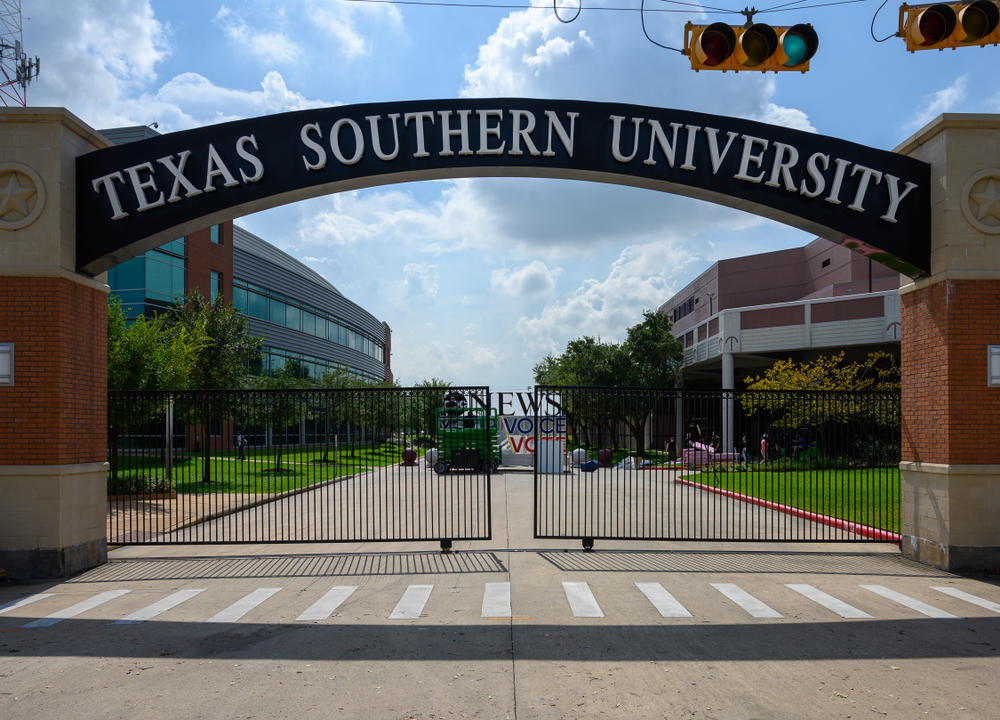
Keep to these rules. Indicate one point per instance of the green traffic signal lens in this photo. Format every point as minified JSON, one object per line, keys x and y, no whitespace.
{"x":796,"y":49}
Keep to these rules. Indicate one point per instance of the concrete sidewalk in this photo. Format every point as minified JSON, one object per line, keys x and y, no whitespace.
{"x":398,"y":630}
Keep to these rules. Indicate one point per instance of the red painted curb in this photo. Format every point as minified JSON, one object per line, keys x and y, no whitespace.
{"x":862,"y":530}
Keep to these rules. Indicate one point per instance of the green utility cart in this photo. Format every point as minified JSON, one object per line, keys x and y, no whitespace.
{"x":466,"y":440}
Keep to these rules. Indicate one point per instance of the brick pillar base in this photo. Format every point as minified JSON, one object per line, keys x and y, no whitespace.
{"x":951,"y":448}
{"x":53,"y":470}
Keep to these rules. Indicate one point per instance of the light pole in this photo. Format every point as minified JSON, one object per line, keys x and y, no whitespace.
{"x":711,"y":296}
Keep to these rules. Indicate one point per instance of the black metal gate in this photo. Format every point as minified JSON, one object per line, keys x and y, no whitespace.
{"x":669,"y":464}
{"x":310,"y":466}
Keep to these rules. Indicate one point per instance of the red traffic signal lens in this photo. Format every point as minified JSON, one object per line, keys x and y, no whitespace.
{"x":716,"y":44}
{"x":759,"y":42}
{"x":978,"y":20}
{"x":935,"y":24}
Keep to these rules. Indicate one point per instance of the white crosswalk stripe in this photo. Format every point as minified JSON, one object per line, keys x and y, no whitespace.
{"x":665,"y":603}
{"x":244,"y":605}
{"x":324,"y":607}
{"x":411,"y":605}
{"x":15,"y":604}
{"x":955,"y":593}
{"x":581,"y":600}
{"x":745,"y":600}
{"x":158,"y":608}
{"x":496,"y":600}
{"x":496,"y":603}
{"x":829,"y":602}
{"x":74,"y":610}
{"x":912,"y":603}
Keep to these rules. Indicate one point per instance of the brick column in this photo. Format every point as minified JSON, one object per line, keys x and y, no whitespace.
{"x":53,"y":474}
{"x":951,"y":453}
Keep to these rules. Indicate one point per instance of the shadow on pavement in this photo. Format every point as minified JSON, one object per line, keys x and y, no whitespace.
{"x":973,"y":638}
{"x":736,"y":561}
{"x":428,"y":563}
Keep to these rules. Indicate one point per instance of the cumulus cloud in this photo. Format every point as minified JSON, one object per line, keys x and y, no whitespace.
{"x":268,"y":47}
{"x":640,"y":279}
{"x":96,"y":54}
{"x":533,"y":279}
{"x":344,"y":20}
{"x":421,"y":279}
{"x":942,"y":101}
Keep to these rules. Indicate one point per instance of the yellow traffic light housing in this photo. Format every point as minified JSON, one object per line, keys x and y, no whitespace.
{"x":756,"y":46}
{"x":940,"y":25}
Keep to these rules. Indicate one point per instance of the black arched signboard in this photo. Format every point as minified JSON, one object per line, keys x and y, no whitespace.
{"x":135,"y":197}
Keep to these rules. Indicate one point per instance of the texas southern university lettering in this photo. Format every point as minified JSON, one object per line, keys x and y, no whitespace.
{"x":137,"y":196}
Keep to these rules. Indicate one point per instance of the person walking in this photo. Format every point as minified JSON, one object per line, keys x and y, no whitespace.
{"x":241,"y":443}
{"x":764,"y":447}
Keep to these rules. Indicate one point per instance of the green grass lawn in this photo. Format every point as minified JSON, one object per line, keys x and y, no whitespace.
{"x":869,"y":496}
{"x":259,"y":473}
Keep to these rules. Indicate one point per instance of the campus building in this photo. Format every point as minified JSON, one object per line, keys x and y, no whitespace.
{"x":303,"y":319}
{"x":742,"y":315}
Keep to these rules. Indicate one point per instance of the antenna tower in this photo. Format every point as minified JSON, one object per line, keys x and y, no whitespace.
{"x":17,"y":70}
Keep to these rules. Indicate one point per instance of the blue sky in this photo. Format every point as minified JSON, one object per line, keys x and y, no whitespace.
{"x":479,"y":279}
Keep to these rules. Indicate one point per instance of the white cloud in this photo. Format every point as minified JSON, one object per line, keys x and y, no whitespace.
{"x":95,"y":54}
{"x":421,"y":280}
{"x":268,"y":47}
{"x":942,"y":101}
{"x":533,"y":279}
{"x":342,"y":20}
{"x":638,"y":280}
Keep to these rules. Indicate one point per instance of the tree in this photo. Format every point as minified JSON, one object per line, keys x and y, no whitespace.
{"x":148,"y":354}
{"x":650,"y":357}
{"x":222,"y":362}
{"x":864,"y":393}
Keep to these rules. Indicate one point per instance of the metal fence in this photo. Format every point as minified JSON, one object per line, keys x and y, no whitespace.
{"x":668,"y":464}
{"x":313,"y":466}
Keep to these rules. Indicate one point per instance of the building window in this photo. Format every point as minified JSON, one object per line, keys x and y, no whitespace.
{"x":151,"y":282}
{"x":826,"y":263}
{"x":217,"y":234}
{"x":216,"y":284}
{"x":684,"y":309}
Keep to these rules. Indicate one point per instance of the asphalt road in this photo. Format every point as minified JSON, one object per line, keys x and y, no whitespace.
{"x":509,"y":628}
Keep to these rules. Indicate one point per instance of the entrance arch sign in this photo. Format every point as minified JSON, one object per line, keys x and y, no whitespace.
{"x":135,"y":197}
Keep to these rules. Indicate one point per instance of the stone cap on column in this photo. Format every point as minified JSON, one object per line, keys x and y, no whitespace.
{"x":38,"y":151}
{"x":963,"y":150}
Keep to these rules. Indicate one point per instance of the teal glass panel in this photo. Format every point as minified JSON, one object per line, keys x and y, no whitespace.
{"x":217,"y":234}
{"x":159,"y":280}
{"x":177,"y":247}
{"x":352,"y":340}
{"x":177,"y":281}
{"x":342,"y":339}
{"x":292,"y":317}
{"x":257,"y":305}
{"x":277,"y":309}
{"x":321,"y":327}
{"x":308,"y":323}
{"x":216,"y":284}
{"x":131,"y":275}
{"x":240,"y":298}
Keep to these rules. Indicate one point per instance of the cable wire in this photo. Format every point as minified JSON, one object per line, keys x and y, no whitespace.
{"x":873,"y":25}
{"x":642,"y":17}
{"x":555,"y":11}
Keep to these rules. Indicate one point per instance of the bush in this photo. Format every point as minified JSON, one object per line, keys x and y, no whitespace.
{"x":137,"y":484}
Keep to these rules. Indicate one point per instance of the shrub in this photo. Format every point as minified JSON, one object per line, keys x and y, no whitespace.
{"x":137,"y":484}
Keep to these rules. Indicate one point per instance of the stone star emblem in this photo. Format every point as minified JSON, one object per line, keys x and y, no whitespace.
{"x":14,"y":196}
{"x":989,"y":200}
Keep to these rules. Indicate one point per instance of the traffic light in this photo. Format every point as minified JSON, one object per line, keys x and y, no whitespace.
{"x":937,"y":26}
{"x":756,"y":46}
